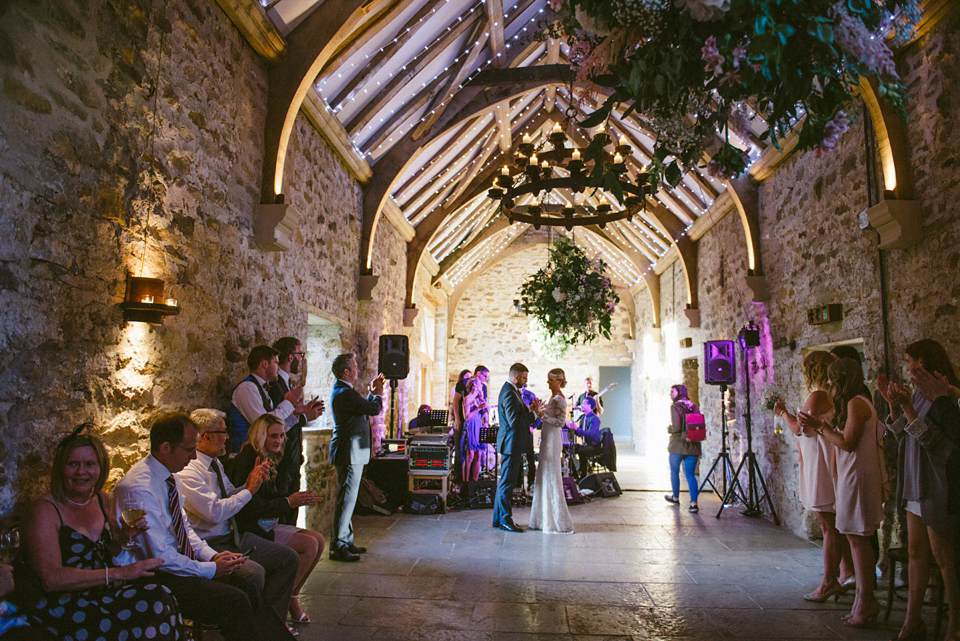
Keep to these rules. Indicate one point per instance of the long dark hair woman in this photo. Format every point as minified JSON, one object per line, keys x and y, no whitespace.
{"x":861,"y":474}
{"x":83,"y":585}
{"x":924,"y":480}
{"x":682,"y":452}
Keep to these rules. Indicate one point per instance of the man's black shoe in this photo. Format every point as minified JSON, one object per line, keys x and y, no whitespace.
{"x":357,"y":549}
{"x":510,"y":526}
{"x":344,"y":555}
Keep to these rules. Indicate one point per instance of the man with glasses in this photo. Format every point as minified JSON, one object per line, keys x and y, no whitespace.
{"x":196,"y":574}
{"x":211,"y":501}
{"x":291,"y":358}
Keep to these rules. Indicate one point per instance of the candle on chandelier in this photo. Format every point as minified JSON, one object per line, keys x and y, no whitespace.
{"x":576,"y":154}
{"x":556,"y":128}
{"x":617,"y":159}
{"x":602,"y":129}
{"x":526,"y":139}
{"x":533,"y":159}
{"x":505,"y":171}
{"x":623,"y":141}
{"x":534,"y":202}
{"x":545,"y":164}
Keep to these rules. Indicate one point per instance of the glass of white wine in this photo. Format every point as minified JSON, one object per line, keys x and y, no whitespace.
{"x":131,"y":511}
{"x":9,"y":546}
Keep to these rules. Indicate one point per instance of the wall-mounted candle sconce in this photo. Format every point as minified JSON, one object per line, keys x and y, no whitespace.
{"x":138,"y":303}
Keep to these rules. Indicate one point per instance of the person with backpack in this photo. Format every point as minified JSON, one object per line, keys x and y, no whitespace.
{"x":684,"y":445}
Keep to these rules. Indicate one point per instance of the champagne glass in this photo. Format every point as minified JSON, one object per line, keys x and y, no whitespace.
{"x":131,"y":511}
{"x":9,"y":546}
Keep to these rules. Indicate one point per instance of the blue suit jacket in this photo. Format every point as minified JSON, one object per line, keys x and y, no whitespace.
{"x":351,"y":427}
{"x":515,"y":418}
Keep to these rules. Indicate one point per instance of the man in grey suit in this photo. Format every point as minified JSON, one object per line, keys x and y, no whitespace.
{"x":515,"y":420}
{"x":350,"y":449}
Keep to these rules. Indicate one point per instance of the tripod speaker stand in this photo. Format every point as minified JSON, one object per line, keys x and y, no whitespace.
{"x":753,"y":498}
{"x":724,"y":461}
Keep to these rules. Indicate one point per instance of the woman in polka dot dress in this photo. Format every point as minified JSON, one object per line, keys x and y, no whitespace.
{"x":78,"y":591}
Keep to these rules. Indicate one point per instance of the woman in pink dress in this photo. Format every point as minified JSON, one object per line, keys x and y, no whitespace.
{"x":858,"y":435}
{"x":817,"y":478}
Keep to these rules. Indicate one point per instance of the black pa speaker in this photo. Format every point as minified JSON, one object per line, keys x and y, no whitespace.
{"x":603,"y":484}
{"x":394,"y":356}
{"x":570,"y":491}
{"x":719,"y":363}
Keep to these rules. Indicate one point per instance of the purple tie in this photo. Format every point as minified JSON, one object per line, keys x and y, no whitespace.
{"x":179,"y":531}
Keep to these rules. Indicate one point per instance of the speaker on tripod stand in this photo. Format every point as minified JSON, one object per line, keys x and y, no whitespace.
{"x":394,"y":363}
{"x":719,"y":363}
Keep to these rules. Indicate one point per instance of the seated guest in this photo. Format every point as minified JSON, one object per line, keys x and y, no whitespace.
{"x":251,"y":397}
{"x":261,"y":516}
{"x":77,"y":588}
{"x":412,"y":427}
{"x":195,"y":573}
{"x":211,"y":502}
{"x":13,"y":625}
{"x":590,"y":431}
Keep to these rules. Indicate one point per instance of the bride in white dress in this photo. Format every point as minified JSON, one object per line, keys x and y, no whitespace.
{"x":549,"y":510}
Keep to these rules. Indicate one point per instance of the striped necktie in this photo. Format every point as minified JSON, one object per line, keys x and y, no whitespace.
{"x":176,"y":514}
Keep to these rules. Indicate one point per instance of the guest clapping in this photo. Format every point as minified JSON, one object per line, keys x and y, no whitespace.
{"x":73,"y":547}
{"x":261,"y":516}
{"x":858,"y":434}
{"x":817,"y":471}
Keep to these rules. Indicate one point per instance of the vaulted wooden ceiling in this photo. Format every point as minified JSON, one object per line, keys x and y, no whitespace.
{"x":428,"y":98}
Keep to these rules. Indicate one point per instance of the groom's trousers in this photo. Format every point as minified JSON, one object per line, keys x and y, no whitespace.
{"x":509,"y":470}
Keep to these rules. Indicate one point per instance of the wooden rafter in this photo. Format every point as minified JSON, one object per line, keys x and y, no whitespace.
{"x":553,"y":57}
{"x":404,"y":113}
{"x":362,"y":36}
{"x":388,"y":91}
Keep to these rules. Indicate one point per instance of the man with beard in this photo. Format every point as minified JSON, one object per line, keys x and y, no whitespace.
{"x":290,"y":358}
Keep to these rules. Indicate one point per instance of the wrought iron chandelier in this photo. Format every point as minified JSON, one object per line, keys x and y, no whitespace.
{"x":541,"y":171}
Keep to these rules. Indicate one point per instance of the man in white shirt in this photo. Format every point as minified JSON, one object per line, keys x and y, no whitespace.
{"x":251,"y":398}
{"x":193,"y":571}
{"x":211,"y":501}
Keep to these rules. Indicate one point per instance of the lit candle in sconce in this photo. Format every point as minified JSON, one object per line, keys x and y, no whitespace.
{"x":171,"y":302}
{"x":617,"y":159}
{"x":576,"y":154}
{"x":526,"y":139}
{"x":505,"y":171}
{"x":148,"y":299}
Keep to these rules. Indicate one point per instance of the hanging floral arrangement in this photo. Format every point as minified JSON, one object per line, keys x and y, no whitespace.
{"x":697,"y":71}
{"x":570,"y":297}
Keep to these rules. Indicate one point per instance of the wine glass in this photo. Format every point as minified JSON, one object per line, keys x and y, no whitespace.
{"x":131,"y":511}
{"x":9,"y":546}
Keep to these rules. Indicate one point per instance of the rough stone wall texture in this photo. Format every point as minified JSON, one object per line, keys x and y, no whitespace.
{"x":487,"y":330}
{"x":83,"y":177}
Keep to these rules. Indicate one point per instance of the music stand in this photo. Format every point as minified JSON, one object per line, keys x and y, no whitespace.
{"x":488,"y":435}
{"x":433,"y":418}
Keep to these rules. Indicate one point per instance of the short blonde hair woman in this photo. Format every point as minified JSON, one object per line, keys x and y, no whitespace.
{"x":265,"y":442}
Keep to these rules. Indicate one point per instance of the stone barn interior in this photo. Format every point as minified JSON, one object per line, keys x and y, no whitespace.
{"x":320,"y":169}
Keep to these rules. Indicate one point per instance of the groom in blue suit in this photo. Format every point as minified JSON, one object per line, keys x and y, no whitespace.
{"x":350,"y":449}
{"x":515,"y":421}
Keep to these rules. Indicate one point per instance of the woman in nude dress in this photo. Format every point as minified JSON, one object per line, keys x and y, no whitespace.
{"x":817,"y":478}
{"x":857,"y":433}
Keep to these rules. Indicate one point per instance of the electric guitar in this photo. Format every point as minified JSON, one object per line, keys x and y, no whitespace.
{"x":577,"y":412}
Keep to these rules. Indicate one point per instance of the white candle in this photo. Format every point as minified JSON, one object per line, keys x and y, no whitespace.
{"x":147,"y":299}
{"x":623,"y":141}
{"x":556,"y":128}
{"x":576,"y":154}
{"x":505,"y":171}
{"x":617,"y":159}
{"x":171,"y":302}
{"x":533,"y":159}
{"x":526,"y":139}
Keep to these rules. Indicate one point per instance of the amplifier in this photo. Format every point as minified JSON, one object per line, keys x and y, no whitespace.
{"x":429,"y":457}
{"x":435,"y":440}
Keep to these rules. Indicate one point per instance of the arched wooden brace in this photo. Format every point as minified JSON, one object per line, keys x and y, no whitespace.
{"x":746,"y":198}
{"x":468,"y":102}
{"x":429,"y":225}
{"x":308,"y":48}
{"x":687,"y":250}
{"x":897,"y":218}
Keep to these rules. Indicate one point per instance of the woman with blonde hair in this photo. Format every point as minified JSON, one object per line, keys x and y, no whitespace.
{"x":266,"y":439}
{"x":549,"y":509}
{"x":861,"y":473}
{"x":817,"y":477}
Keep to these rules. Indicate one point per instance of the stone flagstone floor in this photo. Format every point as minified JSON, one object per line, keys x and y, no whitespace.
{"x":636,"y":568}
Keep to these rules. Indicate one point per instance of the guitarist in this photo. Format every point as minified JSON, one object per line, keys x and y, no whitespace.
{"x":590,"y":431}
{"x":591,"y":393}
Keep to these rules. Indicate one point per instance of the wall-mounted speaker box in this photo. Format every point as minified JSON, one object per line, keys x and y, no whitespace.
{"x":394,"y":362}
{"x":719,"y":363}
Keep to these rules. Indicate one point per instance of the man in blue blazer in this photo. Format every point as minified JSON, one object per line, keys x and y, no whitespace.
{"x":515,"y":421}
{"x":350,"y":449}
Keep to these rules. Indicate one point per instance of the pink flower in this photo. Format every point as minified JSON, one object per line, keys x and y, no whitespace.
{"x":739,"y":54}
{"x":556,"y":4}
{"x":835,"y":127}
{"x":730,"y":78}
{"x":711,"y":56}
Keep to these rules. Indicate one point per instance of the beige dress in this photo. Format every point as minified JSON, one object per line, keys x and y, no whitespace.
{"x":860,"y":479}
{"x":818,"y":470}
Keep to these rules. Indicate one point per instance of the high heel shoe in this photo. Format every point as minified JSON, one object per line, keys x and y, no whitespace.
{"x":919,"y":634}
{"x":868,"y":619}
{"x":834,"y":592}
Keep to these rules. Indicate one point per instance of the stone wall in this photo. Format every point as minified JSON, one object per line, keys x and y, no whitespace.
{"x":486,"y":329}
{"x":118,"y":124}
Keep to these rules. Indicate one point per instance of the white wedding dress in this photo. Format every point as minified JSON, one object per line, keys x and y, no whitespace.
{"x":549,"y":510}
